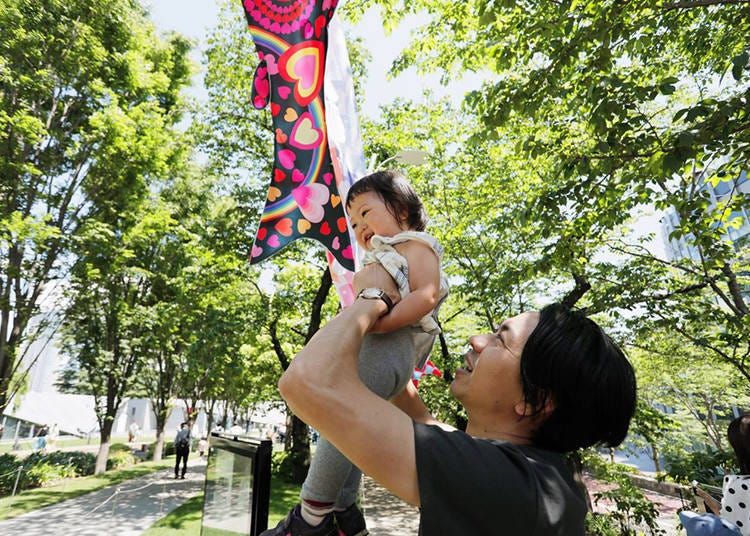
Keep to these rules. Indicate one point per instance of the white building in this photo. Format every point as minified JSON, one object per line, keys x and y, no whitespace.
{"x":738,"y":223}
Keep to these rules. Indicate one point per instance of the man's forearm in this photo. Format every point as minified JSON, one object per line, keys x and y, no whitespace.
{"x":322,"y":387}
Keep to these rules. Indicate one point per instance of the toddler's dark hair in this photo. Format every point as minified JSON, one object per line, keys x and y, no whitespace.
{"x":397,"y":194}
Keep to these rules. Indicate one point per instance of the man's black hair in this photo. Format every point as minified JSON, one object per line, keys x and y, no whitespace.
{"x":397,"y":194}
{"x":570,"y":362}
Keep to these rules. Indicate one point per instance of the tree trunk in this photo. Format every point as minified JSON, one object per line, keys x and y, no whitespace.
{"x":104,"y":435}
{"x":300,"y":447}
{"x":655,"y":458}
{"x":159,"y":445}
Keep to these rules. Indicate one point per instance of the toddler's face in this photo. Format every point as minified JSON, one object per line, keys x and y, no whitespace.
{"x":369,"y":216}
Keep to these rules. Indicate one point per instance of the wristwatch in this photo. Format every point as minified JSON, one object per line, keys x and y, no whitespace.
{"x":376,"y":294}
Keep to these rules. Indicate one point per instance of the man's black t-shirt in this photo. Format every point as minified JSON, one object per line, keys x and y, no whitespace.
{"x":486,"y":487}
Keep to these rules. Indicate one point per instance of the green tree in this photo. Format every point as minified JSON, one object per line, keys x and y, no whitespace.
{"x":87,"y":93}
{"x":610,"y":108}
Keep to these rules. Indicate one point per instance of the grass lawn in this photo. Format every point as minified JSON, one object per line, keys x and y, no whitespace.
{"x":186,"y":520}
{"x":36,"y":498}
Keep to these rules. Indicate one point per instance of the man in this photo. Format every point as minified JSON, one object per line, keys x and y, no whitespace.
{"x":133,"y":430}
{"x":182,"y":449}
{"x":544,"y":384}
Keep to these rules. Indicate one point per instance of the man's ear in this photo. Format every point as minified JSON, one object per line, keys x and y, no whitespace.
{"x":524,"y":409}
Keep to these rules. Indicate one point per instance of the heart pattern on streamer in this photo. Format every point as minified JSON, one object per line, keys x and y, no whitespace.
{"x":291,"y":40}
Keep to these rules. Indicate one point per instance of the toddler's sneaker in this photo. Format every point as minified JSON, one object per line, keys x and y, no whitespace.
{"x":294,"y":525}
{"x":351,"y":522}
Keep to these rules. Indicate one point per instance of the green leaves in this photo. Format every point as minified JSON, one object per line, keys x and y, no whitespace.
{"x":739,"y":64}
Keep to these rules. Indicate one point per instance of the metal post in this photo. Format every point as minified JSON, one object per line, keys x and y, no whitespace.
{"x":15,"y":486}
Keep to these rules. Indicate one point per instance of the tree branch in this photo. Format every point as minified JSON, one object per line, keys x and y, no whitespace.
{"x":280,"y":354}
{"x":317,"y":305}
{"x":684,"y":290}
{"x":582,"y":286}
{"x":734,"y":289}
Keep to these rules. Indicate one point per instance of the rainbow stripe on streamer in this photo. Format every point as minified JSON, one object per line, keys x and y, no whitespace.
{"x":287,"y":204}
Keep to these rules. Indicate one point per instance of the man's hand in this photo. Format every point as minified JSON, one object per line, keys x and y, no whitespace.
{"x":375,"y":276}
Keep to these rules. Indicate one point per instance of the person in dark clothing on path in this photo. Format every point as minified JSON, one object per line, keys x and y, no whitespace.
{"x":182,"y":449}
{"x":543,"y":384}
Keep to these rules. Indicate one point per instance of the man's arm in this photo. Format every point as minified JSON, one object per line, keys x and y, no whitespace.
{"x":323,"y":388}
{"x":409,"y":401}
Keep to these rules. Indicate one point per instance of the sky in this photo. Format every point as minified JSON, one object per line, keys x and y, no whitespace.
{"x":194,"y":18}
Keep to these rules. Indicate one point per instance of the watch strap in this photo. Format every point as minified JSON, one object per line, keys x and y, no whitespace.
{"x":379,"y":293}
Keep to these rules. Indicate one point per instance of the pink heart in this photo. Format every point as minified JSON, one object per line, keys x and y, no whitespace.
{"x":274,"y":241}
{"x":287,"y":158}
{"x":309,"y":30}
{"x":298,"y":176}
{"x":256,"y":252}
{"x":327,"y":177}
{"x":295,"y":25}
{"x":310,"y":199}
{"x":265,"y":22}
{"x":275,"y":28}
{"x":347,"y":253}
{"x":336,"y":244}
{"x":283,"y":91}
{"x":273,"y":68}
{"x":261,"y":84}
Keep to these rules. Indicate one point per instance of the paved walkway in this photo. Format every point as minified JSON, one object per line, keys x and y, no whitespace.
{"x":126,"y":509}
{"x":386,"y":514}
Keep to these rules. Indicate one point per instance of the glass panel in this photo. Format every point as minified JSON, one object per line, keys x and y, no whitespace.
{"x":227,"y":504}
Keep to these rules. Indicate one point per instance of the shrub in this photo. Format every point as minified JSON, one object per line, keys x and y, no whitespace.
{"x":81,"y":463}
{"x":9,"y":465}
{"x":119,"y":447}
{"x":167,"y":450}
{"x":120,"y":458}
{"x":705,"y":466}
{"x":45,"y":473}
{"x":289,"y":467}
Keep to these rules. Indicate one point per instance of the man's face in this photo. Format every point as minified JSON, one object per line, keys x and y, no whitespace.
{"x":491,"y":379}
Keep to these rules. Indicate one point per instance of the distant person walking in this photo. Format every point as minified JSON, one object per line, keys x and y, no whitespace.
{"x":41,"y":438}
{"x":182,"y":449}
{"x":133,"y":430}
{"x":52,"y":436}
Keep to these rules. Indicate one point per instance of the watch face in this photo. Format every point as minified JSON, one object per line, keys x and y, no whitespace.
{"x":371,"y":293}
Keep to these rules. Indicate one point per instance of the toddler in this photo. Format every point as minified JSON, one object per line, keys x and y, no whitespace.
{"x":389,"y":220}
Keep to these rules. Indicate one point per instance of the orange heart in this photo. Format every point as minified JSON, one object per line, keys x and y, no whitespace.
{"x":290,"y":115}
{"x":280,"y":136}
{"x":341,"y":224}
{"x":335,"y":200}
{"x":303,"y":226}
{"x":284,"y":227}
{"x":273,"y":193}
